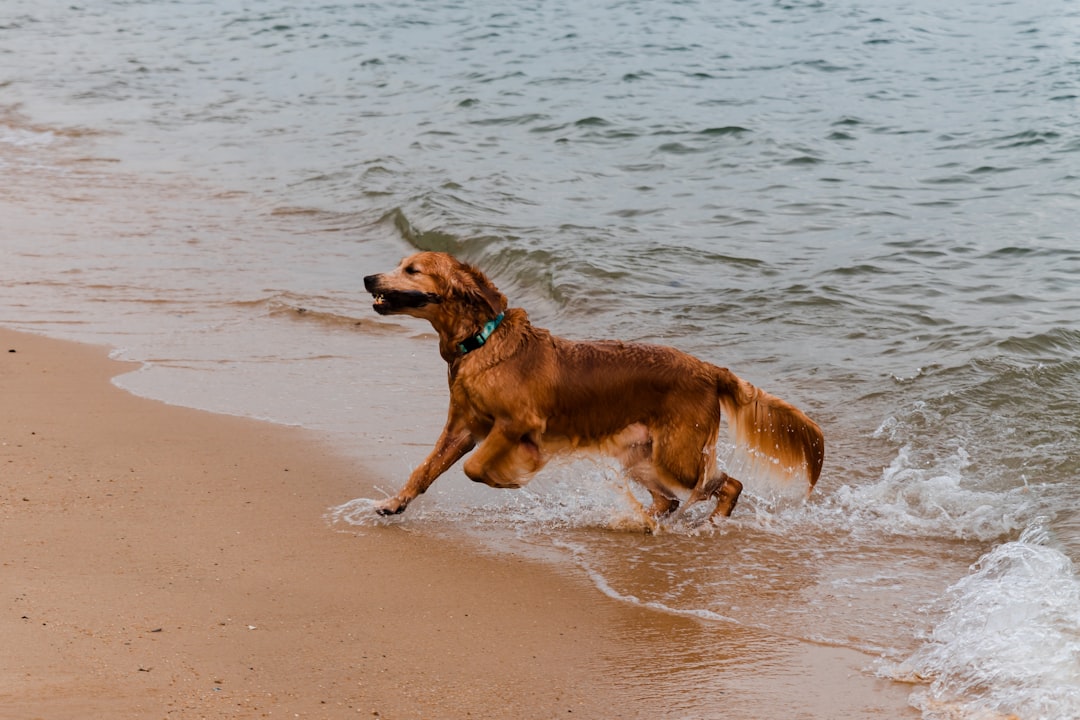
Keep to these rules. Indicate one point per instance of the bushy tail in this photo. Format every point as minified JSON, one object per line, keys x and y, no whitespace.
{"x":774,"y":441}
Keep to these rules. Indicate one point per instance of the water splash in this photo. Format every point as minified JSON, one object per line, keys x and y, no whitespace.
{"x":936,"y":501}
{"x":1009,"y":642}
{"x":583,"y":494}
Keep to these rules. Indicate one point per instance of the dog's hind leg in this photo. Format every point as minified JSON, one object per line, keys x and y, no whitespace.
{"x":663,"y":502}
{"x":727,"y":494}
{"x":634,"y":448}
{"x":721,"y":486}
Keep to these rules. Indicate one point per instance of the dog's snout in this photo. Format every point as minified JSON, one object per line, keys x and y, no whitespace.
{"x":371,"y":282}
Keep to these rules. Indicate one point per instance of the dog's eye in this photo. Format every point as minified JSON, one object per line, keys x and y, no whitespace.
{"x":411,"y":270}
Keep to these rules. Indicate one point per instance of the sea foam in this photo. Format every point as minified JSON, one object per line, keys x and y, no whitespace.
{"x":1008,"y":644}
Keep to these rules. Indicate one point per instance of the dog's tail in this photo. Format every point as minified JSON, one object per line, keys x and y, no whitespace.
{"x":774,"y":441}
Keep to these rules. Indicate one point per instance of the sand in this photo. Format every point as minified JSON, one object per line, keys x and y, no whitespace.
{"x":157,"y":561}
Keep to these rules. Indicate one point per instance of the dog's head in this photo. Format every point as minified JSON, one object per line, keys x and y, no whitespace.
{"x":431,"y":284}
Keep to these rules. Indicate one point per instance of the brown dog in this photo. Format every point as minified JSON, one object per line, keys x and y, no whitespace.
{"x":524,"y":396}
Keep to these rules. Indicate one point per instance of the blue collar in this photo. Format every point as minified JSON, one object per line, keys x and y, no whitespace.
{"x":478,"y":340}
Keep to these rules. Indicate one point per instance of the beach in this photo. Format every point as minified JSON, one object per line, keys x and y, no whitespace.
{"x":166,"y":562}
{"x":160,"y":562}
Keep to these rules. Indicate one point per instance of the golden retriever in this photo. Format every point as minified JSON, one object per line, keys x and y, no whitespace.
{"x":521,"y":395}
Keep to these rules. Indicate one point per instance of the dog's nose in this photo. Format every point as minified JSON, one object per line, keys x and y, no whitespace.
{"x":370,"y":282}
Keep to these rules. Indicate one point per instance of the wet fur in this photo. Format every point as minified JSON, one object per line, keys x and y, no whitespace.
{"x":526,"y":396}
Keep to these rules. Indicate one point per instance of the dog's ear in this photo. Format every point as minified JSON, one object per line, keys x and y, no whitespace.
{"x":473,"y":286}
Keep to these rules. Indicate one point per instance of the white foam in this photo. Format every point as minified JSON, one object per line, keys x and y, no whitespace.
{"x":22,"y":137}
{"x":1009,"y":642}
{"x":936,"y":501}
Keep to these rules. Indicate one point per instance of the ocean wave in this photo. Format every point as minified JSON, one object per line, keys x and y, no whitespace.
{"x":419,"y":238}
{"x":1008,"y":644}
{"x":320,"y":310}
{"x":941,"y":501}
{"x":1051,"y":346}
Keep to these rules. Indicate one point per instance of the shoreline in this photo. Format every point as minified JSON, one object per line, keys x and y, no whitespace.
{"x":165,"y":561}
{"x":160,"y":560}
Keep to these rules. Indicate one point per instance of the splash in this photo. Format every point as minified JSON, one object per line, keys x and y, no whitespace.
{"x":588,"y":493}
{"x":1009,"y":642}
{"x":359,"y":512}
{"x":937,"y":501}
{"x":940,"y":502}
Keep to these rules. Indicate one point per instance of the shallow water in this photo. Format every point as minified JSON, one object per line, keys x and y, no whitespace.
{"x":866,"y":209}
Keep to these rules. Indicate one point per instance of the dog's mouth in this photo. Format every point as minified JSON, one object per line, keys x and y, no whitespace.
{"x":391,"y":301}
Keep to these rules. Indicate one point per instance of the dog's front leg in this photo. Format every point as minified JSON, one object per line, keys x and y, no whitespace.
{"x":455,"y":441}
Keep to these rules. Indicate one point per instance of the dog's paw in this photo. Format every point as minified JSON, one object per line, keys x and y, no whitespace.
{"x":391,"y":506}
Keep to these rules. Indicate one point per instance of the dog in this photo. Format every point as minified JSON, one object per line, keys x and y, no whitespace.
{"x":520,"y":396}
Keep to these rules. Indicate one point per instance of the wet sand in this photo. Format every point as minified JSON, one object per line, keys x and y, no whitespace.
{"x":157,"y":561}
